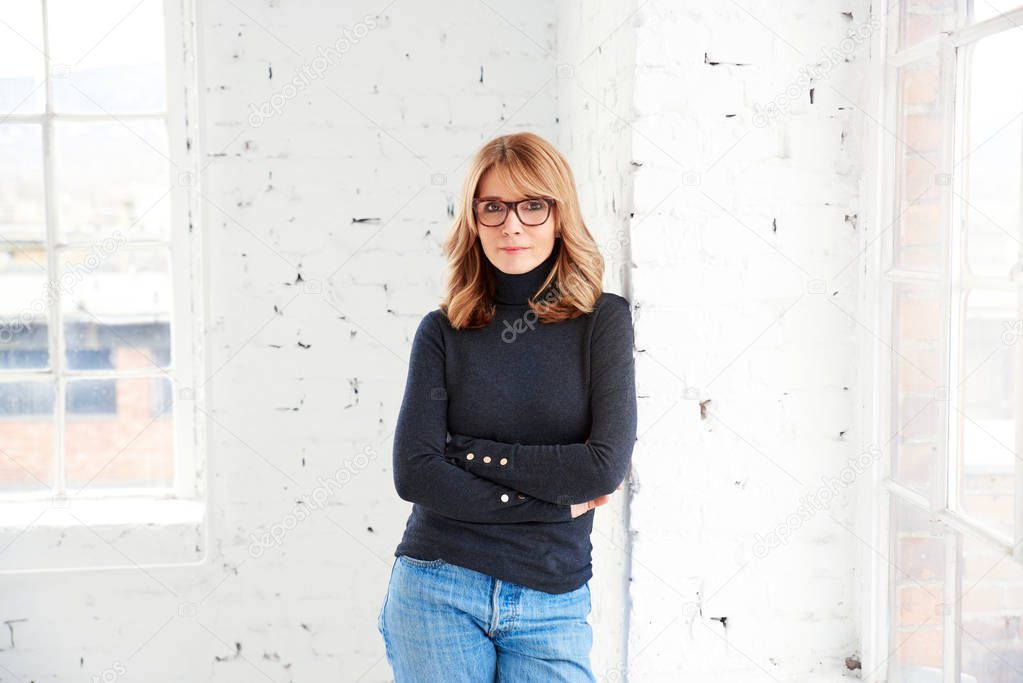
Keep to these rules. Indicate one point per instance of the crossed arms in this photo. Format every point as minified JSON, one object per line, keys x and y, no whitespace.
{"x":486,"y":481}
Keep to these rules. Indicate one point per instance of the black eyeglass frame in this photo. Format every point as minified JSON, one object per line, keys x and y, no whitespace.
{"x":514,"y":206}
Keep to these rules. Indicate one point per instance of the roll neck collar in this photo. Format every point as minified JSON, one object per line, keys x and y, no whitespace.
{"x":517,"y":288}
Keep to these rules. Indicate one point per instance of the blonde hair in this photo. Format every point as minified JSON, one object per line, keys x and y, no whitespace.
{"x":532,"y":167}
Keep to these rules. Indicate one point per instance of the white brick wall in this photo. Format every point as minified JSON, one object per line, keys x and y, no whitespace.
{"x":734,"y":220}
{"x":383,"y":136}
{"x":350,"y":184}
{"x":596,"y":57}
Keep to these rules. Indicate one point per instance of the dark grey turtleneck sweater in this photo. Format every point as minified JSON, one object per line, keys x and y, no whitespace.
{"x":540,"y":416}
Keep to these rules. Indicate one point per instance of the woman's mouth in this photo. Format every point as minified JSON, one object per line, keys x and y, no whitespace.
{"x":512,"y":250}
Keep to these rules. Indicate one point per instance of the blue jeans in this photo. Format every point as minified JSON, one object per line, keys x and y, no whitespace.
{"x":444,"y":622}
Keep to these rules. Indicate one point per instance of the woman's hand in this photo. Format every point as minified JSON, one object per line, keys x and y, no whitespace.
{"x":582,"y":508}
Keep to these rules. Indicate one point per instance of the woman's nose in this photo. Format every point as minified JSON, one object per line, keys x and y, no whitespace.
{"x":511,"y":224}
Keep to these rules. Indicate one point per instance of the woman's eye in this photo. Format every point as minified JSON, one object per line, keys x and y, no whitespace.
{"x":493,"y":206}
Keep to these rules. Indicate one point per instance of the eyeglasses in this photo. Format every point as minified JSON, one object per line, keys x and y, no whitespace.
{"x":493,"y":212}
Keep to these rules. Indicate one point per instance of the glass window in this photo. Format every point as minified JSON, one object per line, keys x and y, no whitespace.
{"x":990,"y":159}
{"x":918,"y":579}
{"x":989,"y":376}
{"x":918,"y":171}
{"x":956,"y":354}
{"x":87,"y":192}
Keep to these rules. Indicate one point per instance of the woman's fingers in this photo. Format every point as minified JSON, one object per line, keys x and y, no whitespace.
{"x":579,"y":508}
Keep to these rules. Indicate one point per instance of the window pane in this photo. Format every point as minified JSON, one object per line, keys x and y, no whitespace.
{"x":22,"y":88}
{"x":985,"y":9}
{"x":918,"y":416}
{"x":24,"y":308}
{"x":992,"y":156}
{"x":117,"y":308}
{"x":917,"y":580}
{"x":108,"y":56}
{"x":113,"y":177}
{"x":992,"y":611}
{"x":989,"y":376}
{"x":26,"y":436}
{"x":22,"y":206}
{"x":918,"y":217}
{"x":119,"y":433}
{"x":920,"y":21}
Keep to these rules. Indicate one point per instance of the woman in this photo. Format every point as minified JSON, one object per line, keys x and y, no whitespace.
{"x":518,"y":419}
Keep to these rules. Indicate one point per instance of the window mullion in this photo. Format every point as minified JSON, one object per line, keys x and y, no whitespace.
{"x":55,"y":336}
{"x":908,"y":55}
{"x":951,"y":611}
{"x":977,"y":529}
{"x":1017,"y":549}
{"x":956,"y":98}
{"x":944,"y":492}
{"x":972,"y":33}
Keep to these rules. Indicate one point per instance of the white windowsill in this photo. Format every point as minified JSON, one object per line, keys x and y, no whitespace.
{"x":106,"y":533}
{"x":100,"y":512}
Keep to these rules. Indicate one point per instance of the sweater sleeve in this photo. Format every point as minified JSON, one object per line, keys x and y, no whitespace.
{"x":575,"y":472}
{"x":422,"y":473}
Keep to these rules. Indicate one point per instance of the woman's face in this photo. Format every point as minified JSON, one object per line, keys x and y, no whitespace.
{"x":536,"y":241}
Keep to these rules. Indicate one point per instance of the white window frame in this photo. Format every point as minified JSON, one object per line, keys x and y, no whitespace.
{"x":184,"y":505}
{"x":876,"y":308}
